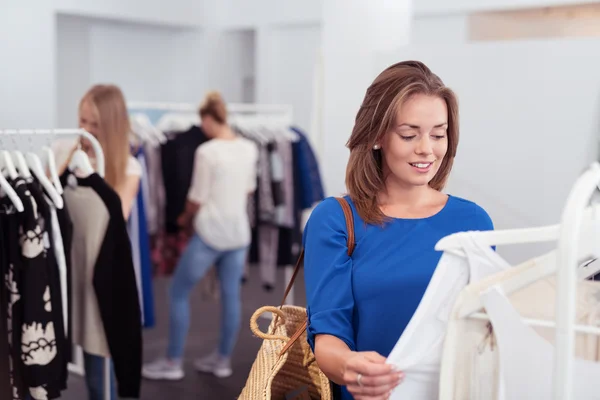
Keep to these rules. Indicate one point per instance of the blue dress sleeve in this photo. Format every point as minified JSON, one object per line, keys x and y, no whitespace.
{"x":328,"y":274}
{"x":484,"y":221}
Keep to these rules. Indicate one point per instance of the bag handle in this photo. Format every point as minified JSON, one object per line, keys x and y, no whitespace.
{"x":351,"y":244}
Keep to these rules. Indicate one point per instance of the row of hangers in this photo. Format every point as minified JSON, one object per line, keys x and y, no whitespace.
{"x":27,"y":165}
{"x":263,"y":128}
{"x":261,"y":122}
{"x":143,"y":128}
{"x":578,"y":241}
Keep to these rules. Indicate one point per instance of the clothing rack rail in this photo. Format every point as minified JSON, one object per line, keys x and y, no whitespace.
{"x":236,"y":108}
{"x":31,"y":138}
{"x":285,"y":111}
{"x":28,"y":138}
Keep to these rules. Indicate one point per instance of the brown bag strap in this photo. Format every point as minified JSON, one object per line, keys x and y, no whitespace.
{"x":351,"y":244}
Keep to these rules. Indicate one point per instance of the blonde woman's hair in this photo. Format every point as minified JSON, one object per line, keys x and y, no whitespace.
{"x":215,"y":106}
{"x":113,"y":130}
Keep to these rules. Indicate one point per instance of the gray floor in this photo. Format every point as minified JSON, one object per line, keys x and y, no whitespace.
{"x":202,"y":339}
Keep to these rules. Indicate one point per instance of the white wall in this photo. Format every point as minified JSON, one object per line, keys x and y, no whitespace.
{"x":235,"y":14}
{"x":73,"y":66}
{"x":441,"y":7}
{"x":437,"y":29}
{"x":144,"y":60}
{"x":530,"y":123}
{"x":27,"y":80}
{"x":250,"y":14}
{"x":285,"y":68}
{"x":175,"y":12}
{"x":233,"y":61}
{"x":29,"y":85}
{"x":140,"y":59}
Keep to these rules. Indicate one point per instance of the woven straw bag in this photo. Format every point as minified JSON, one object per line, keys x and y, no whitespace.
{"x":285,"y":367}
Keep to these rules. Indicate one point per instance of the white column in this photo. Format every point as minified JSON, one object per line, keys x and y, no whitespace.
{"x":354,"y":31}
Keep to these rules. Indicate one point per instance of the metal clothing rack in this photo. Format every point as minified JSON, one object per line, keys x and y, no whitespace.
{"x":31,"y":138}
{"x":285,"y":111}
{"x":234,"y":108}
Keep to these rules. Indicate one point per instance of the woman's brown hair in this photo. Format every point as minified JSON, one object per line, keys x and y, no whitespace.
{"x":376,"y":116}
{"x":215,"y":106}
{"x":113,"y":130}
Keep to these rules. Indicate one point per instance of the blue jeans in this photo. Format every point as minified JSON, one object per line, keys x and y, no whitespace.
{"x":94,"y":377}
{"x":195,"y":261}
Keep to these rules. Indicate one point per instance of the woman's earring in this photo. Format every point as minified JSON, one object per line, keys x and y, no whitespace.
{"x":376,"y":147}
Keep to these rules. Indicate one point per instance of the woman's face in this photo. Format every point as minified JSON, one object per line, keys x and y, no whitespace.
{"x":414,"y":148}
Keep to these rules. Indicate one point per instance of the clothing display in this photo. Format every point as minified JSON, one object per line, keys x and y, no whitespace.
{"x":177,"y":162}
{"x":527,"y":358}
{"x":106,"y":311}
{"x":32,"y":300}
{"x":473,"y":372}
{"x":137,"y":227}
{"x":418,"y":351}
{"x":355,"y":299}
{"x":288,"y":183}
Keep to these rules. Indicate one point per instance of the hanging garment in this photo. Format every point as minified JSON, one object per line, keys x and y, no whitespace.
{"x":470,"y":364}
{"x":177,"y":157}
{"x":42,"y":337}
{"x":312,"y":186}
{"x":10,"y":383}
{"x":155,"y":202}
{"x":66,"y":230}
{"x":177,"y":163}
{"x":58,"y":251}
{"x":418,"y":352}
{"x":527,"y":359}
{"x":284,"y":213}
{"x":147,"y":290}
{"x":268,"y":249}
{"x":106,"y":309}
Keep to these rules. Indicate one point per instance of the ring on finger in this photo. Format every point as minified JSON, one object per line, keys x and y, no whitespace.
{"x":359,"y":380}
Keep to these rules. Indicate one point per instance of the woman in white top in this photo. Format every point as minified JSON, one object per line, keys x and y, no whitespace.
{"x":224,"y":177}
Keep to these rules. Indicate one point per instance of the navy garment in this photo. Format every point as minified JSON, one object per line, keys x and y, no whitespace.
{"x":367,"y":300}
{"x":311,"y":185}
{"x":146,"y":263}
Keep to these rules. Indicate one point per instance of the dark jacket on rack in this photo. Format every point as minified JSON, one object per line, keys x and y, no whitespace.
{"x":99,"y":228}
{"x":311,"y":185}
{"x":177,"y":158}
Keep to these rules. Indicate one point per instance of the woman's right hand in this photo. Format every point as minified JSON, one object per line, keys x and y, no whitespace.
{"x":368,"y":377}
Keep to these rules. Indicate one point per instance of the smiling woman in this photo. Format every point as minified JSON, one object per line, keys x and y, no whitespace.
{"x":402,"y":149}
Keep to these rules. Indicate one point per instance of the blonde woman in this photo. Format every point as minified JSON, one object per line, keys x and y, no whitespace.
{"x":103,"y":113}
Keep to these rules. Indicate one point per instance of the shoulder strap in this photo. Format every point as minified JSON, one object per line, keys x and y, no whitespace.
{"x":351,"y":245}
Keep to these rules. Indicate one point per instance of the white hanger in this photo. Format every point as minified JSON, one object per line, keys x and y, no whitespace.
{"x":22,"y":164}
{"x":572,"y":238}
{"x":452,"y":243}
{"x":12,"y":195}
{"x":155,"y":134}
{"x":81,"y":162}
{"x":588,"y":245}
{"x":8,"y":163}
{"x":35,"y":164}
{"x":52,"y":169}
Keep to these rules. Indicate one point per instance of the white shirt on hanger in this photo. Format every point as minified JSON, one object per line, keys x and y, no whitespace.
{"x":223,"y":178}
{"x":418,"y":352}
